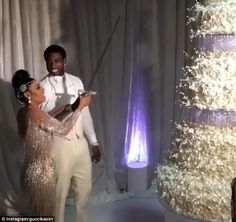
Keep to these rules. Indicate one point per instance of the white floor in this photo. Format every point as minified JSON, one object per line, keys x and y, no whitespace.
{"x":128,"y":210}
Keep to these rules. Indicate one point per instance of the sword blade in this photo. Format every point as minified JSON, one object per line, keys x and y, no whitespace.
{"x":102,"y":55}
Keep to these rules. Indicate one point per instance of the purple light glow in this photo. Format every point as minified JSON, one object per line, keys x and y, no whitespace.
{"x":136,"y":134}
{"x":137,"y":147}
{"x":137,"y":165}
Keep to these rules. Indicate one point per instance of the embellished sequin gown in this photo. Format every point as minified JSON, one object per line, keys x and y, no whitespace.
{"x":38,"y":176}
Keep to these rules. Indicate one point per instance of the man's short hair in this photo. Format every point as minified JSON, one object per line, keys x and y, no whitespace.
{"x":54,"y":49}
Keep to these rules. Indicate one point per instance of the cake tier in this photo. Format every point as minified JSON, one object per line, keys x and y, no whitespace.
{"x":219,"y":118}
{"x":206,"y":149}
{"x":172,"y":216}
{"x":195,"y":195}
{"x":217,"y":42}
{"x":209,"y":82}
{"x":214,"y":17}
{"x":196,"y":178}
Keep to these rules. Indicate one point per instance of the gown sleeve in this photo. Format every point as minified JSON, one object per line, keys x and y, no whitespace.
{"x":56,"y":127}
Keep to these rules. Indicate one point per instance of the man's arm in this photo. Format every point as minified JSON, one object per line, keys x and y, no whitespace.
{"x":88,"y":129}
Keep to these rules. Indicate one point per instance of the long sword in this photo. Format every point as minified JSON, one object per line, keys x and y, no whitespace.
{"x":101,"y":57}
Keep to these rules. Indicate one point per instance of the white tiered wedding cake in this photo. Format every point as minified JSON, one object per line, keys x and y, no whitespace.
{"x":195,"y":180}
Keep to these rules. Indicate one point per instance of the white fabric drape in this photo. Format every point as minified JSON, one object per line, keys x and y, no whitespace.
{"x":82,"y":27}
{"x":25,"y":30}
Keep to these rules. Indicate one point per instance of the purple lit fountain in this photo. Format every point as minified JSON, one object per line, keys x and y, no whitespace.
{"x":136,"y":153}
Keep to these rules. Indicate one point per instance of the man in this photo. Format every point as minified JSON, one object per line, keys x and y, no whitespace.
{"x":62,"y":88}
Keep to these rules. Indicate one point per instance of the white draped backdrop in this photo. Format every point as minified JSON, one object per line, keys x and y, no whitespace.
{"x":82,"y":27}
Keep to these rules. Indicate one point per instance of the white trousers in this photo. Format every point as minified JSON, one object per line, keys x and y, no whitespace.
{"x":74,"y":170}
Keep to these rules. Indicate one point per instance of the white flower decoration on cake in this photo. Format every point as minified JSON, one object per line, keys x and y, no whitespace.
{"x":214,"y":17}
{"x":209,"y":82}
{"x":195,"y":179}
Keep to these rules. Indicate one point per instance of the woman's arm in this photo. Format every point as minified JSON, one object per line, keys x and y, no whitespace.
{"x":64,"y":111}
{"x":51,"y":124}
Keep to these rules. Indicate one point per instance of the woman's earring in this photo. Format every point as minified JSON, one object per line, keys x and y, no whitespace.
{"x":29,"y":100}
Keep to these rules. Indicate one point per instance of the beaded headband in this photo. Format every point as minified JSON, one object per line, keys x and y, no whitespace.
{"x":22,"y":89}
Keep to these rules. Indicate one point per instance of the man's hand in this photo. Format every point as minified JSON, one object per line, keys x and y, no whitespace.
{"x":96,"y":154}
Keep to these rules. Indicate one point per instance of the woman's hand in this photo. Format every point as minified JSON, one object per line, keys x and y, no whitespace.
{"x":82,"y":101}
{"x":85,"y":100}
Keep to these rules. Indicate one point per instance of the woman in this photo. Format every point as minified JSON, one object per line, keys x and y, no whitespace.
{"x":39,"y":130}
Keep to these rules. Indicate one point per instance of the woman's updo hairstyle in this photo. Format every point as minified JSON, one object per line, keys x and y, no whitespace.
{"x":20,"y":82}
